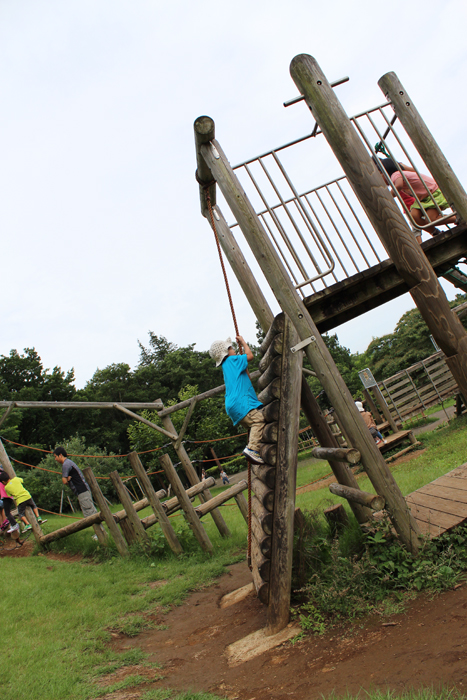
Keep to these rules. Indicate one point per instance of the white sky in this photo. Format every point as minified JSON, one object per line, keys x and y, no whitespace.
{"x":102,"y":236}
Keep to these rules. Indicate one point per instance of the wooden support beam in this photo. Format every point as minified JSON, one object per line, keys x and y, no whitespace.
{"x":192,"y":475}
{"x":106,"y":512}
{"x":182,"y":432}
{"x":204,"y":133}
{"x":6,"y":413}
{"x":152,"y":406}
{"x":336,"y":517}
{"x":221,"y":498}
{"x":132,"y":516}
{"x":36,"y":528}
{"x":5,"y":462}
{"x":350,"y":455}
{"x":190,"y":514}
{"x":370,"y":500}
{"x":242,"y":505}
{"x":172,"y":436}
{"x":384,"y":408}
{"x":172,"y":505}
{"x":92,"y":520}
{"x":317,"y":352}
{"x":155,"y":503}
{"x":285,"y":486}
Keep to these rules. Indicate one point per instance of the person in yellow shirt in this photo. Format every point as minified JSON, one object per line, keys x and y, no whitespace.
{"x":15,"y":489}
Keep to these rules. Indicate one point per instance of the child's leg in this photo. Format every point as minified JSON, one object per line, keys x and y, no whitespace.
{"x":8,"y":505}
{"x":432,"y":215}
{"x":255,"y":421}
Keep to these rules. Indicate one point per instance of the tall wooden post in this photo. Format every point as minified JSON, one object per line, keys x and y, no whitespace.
{"x":190,"y":471}
{"x":156,"y":505}
{"x":132,"y":515}
{"x":424,"y":142}
{"x":204,"y":133}
{"x":285,"y":484}
{"x":36,"y":528}
{"x":5,"y":462}
{"x":190,"y":513}
{"x":105,"y":511}
{"x":387,"y":220}
{"x":316,"y":350}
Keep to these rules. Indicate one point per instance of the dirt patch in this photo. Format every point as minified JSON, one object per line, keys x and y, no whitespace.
{"x":10,"y":549}
{"x":426,"y":647}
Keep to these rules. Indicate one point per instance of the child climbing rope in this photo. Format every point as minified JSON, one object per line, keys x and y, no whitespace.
{"x":241,"y":402}
{"x":425,"y":188}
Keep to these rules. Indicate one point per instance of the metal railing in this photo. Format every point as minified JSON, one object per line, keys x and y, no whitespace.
{"x":320,"y":231}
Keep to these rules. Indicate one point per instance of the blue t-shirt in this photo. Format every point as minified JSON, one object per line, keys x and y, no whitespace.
{"x":240,"y":397}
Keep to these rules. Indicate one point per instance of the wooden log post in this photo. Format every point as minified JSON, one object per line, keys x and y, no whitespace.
{"x":155,"y":503}
{"x":106,"y":512}
{"x":132,"y":516}
{"x":266,"y":317}
{"x":336,"y":517}
{"x":424,"y":142}
{"x":387,"y":220}
{"x":372,"y":406}
{"x":5,"y":462}
{"x":36,"y":528}
{"x":384,"y":408}
{"x":242,"y":506}
{"x":95,"y":519}
{"x":370,"y":500}
{"x":221,"y":498}
{"x":185,"y":503}
{"x":190,"y":471}
{"x":285,"y":485}
{"x":316,"y":351}
{"x":350,"y":455}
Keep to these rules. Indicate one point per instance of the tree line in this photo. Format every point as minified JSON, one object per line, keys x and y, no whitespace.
{"x":172,"y":374}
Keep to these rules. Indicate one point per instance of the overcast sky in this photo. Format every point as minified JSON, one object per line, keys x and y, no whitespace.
{"x":102,"y":236}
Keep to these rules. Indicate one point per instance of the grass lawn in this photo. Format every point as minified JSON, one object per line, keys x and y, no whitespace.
{"x":57,"y":617}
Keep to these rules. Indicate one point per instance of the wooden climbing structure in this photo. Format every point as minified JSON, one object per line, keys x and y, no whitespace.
{"x":410,"y":268}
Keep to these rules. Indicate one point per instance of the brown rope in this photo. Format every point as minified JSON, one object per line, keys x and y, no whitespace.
{"x":249,"y":517}
{"x":213,"y":224}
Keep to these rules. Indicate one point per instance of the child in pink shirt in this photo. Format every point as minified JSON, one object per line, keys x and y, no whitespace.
{"x":8,"y":506}
{"x":425,"y":188}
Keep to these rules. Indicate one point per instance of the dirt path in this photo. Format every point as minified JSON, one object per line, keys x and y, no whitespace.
{"x":426,"y":647}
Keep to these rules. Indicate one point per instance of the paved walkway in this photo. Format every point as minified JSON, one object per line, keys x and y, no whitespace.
{"x":441,"y":418}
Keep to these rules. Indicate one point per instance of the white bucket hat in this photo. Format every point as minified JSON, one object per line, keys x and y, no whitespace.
{"x":359,"y":405}
{"x":219,"y":350}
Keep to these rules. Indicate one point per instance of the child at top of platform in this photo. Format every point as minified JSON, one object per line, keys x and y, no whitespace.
{"x":14,"y":489}
{"x":241,"y":402}
{"x":425,"y":188}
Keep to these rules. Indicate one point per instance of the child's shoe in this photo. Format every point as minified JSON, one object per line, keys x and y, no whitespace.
{"x":252,"y":456}
{"x":39,"y":519}
{"x":27,"y":528}
{"x":5,"y":525}
{"x":13,"y":528}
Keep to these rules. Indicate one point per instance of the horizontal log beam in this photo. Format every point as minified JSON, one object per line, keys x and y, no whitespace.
{"x":221,"y":498}
{"x":172,"y":505}
{"x":94,"y":519}
{"x":154,"y":405}
{"x":349,"y":455}
{"x":370,"y":500}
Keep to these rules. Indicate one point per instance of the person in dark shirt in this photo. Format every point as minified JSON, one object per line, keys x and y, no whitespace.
{"x":73,"y":477}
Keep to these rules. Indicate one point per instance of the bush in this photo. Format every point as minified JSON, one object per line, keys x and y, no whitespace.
{"x":353,"y":574}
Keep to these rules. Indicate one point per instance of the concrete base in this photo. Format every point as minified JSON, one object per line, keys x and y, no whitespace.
{"x":257,"y":643}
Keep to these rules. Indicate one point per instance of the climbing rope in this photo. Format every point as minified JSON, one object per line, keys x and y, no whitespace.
{"x":227,"y":287}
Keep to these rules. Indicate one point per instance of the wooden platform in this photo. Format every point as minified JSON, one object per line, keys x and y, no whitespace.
{"x":369,"y":289}
{"x":442,"y":504}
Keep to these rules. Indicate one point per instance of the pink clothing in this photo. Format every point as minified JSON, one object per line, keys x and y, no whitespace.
{"x":3,"y":493}
{"x":416,"y":183}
